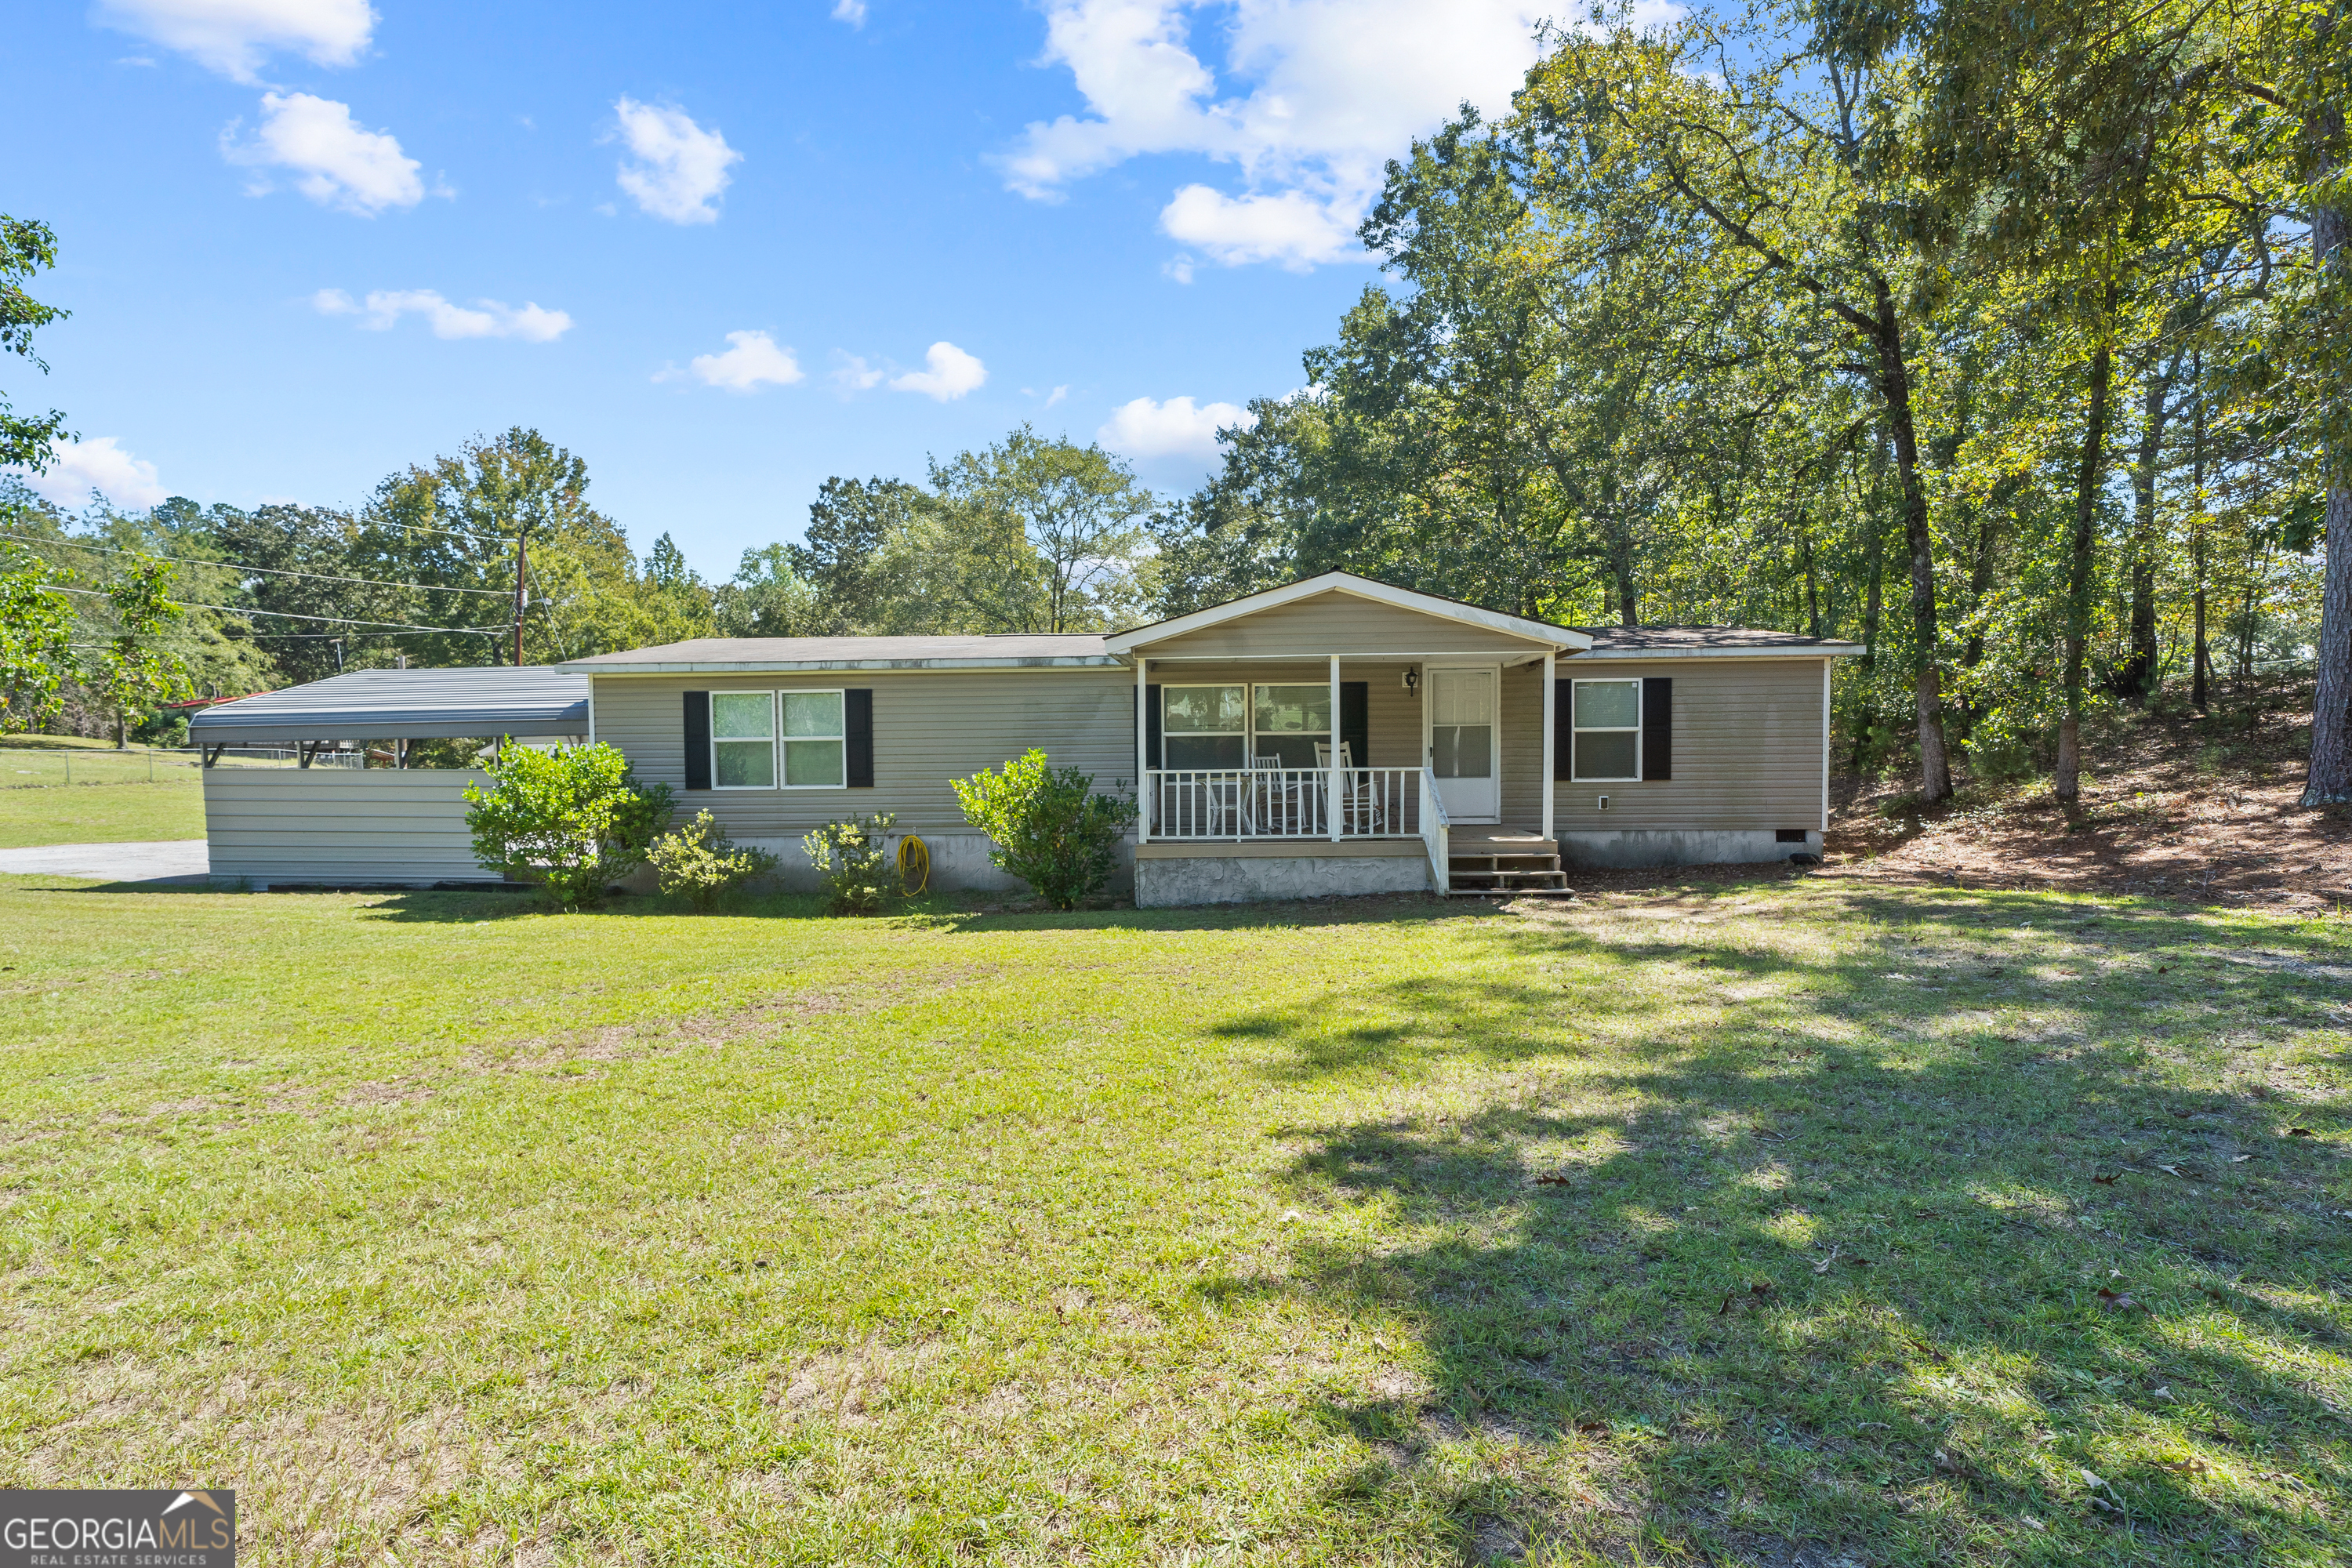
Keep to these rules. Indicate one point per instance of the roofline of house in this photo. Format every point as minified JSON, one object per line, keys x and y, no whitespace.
{"x":829,"y":666}
{"x":1140,"y":637}
{"x":1777,"y":650}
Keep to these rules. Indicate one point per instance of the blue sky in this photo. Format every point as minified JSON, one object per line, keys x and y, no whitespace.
{"x":709,"y":248}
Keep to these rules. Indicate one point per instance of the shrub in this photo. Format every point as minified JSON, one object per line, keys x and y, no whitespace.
{"x":1047,"y":826}
{"x":849,"y":855}
{"x":574,"y":817}
{"x":701,"y":861}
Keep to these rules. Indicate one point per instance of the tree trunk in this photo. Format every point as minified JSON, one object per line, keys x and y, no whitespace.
{"x":2068,"y":785}
{"x":1812,"y":590}
{"x":2329,"y":781}
{"x":2138,"y":675}
{"x":1895,"y":383}
{"x":2200,"y":678}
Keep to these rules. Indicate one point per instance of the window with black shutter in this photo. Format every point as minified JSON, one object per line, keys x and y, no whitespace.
{"x":697,"y":740}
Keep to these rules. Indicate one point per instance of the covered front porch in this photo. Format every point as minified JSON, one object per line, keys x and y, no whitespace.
{"x":1351,"y":738}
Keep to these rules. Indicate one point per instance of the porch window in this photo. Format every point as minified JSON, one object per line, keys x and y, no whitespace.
{"x":1292,"y":720}
{"x":1607,"y":719}
{"x":1204,"y":726}
{"x":743,"y":740}
{"x":815,"y":753}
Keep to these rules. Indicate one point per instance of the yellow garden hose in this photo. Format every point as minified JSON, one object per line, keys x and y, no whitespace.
{"x":914,"y":865}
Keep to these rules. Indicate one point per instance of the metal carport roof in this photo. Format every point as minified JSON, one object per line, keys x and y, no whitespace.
{"x":404,"y":705}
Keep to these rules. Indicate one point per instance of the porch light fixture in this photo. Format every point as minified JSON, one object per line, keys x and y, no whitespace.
{"x":1413,"y":678}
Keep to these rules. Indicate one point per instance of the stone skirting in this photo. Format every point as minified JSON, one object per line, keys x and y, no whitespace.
{"x":1172,"y":874}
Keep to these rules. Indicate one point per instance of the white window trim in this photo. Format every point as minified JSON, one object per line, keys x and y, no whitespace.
{"x":778,"y":740}
{"x":1575,"y":755}
{"x":782,"y":740}
{"x":1248,"y":733}
{"x":775,"y":722}
{"x":1249,"y":700}
{"x":1243,"y":734}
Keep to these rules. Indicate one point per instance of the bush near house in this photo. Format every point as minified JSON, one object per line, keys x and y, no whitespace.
{"x":1047,"y":826}
{"x":575,"y":818}
{"x":850,"y":855}
{"x":702,"y":862}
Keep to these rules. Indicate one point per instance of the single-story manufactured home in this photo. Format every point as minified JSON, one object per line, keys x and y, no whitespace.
{"x":1336,"y":735}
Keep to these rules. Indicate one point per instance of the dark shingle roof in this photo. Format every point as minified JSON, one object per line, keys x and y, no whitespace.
{"x":1009,"y":650}
{"x":404,"y":705}
{"x":1669,"y":641}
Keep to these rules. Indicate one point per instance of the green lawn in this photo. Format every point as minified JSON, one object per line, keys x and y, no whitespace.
{"x":1794,"y":1224}
{"x":58,"y":789}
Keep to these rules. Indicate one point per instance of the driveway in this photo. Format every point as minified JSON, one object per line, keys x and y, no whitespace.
{"x":172,"y":862}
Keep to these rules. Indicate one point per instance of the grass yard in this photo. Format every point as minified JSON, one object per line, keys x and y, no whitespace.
{"x":1804,"y":1223}
{"x":58,"y":789}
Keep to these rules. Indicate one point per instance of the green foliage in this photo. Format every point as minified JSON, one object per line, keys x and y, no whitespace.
{"x":853,"y":858}
{"x":36,"y":638}
{"x":573,"y":817}
{"x":1047,"y":826}
{"x":26,"y":247}
{"x":699,"y":861}
{"x":134,"y":669}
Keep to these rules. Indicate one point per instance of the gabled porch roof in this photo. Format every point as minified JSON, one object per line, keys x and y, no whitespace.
{"x":1429,"y":625}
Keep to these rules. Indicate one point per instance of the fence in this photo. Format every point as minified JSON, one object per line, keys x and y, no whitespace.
{"x":35,"y":767}
{"x":1282,"y":803}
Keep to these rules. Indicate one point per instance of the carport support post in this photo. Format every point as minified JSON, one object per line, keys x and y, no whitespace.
{"x":1551,"y":717}
{"x":1143,"y":791}
{"x":1336,"y":784}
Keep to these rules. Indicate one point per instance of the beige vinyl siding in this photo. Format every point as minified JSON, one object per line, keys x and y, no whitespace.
{"x":337,"y":825}
{"x":1393,"y":714}
{"x":1748,"y":748}
{"x":1337,"y":623}
{"x":929,"y":726}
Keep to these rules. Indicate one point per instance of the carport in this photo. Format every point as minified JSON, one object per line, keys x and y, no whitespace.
{"x":396,"y":825}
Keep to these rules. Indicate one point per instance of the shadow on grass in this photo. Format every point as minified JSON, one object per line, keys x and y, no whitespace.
{"x":947,"y":912}
{"x":1819,"y":1279}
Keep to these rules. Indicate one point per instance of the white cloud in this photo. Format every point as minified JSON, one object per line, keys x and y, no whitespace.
{"x":1056,"y":396}
{"x":334,"y":162}
{"x":234,"y":37}
{"x":681,"y":168}
{"x":755,"y":360}
{"x":99,"y":466}
{"x":1312,"y":98}
{"x":850,"y":11}
{"x":484,"y":319}
{"x":1176,"y":428}
{"x":952,"y":373}
{"x":1291,"y":227}
{"x":852,"y":373}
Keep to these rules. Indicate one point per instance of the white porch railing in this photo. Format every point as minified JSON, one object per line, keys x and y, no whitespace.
{"x":1436,"y":829}
{"x":1193,"y":804}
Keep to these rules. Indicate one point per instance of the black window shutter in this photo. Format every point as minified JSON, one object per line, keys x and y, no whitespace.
{"x":1563,"y":728}
{"x":1151,"y":727}
{"x":1658,"y":727}
{"x":697,"y":740}
{"x":857,"y":716}
{"x":1356,"y":720}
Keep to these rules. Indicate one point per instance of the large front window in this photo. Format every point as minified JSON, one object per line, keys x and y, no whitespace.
{"x":746,"y":746}
{"x":1204,"y":726}
{"x":743,"y":740}
{"x":1291,"y":722}
{"x":816,"y":749}
{"x":1607,"y":716}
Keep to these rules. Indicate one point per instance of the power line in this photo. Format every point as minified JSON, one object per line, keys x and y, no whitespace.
{"x":248,"y":610}
{"x":273,"y":571}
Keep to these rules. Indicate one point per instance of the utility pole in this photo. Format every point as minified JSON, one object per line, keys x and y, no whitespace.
{"x":521,"y":597}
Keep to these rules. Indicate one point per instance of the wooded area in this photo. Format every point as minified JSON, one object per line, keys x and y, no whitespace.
{"x":2008,"y":343}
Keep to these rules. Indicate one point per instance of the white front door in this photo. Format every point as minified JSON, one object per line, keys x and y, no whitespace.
{"x":1466,"y":742}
